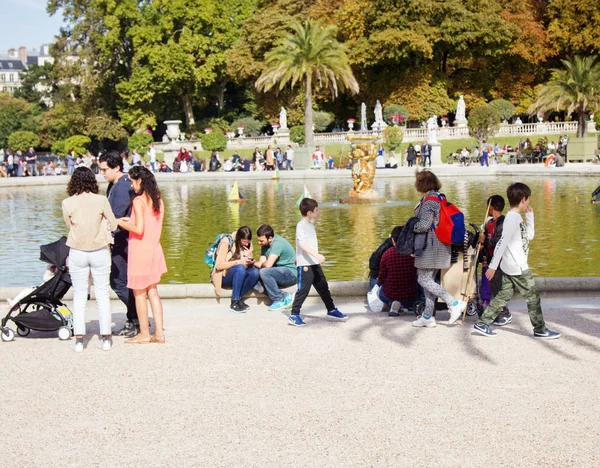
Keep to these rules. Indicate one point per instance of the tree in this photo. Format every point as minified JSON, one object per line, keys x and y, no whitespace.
{"x":297,"y":134}
{"x":36,"y":84}
{"x":251,"y":125}
{"x":322,"y":120}
{"x":312,"y":55}
{"x":505,"y":108}
{"x":395,"y":110}
{"x":16,"y":114}
{"x":574,"y":26}
{"x":23,"y":140}
{"x":576,"y":88}
{"x":484,"y":122}
{"x":392,"y":137}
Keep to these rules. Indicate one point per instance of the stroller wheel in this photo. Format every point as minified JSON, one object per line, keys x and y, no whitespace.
{"x":23,"y":331}
{"x":64,"y":333}
{"x":7,"y":335}
{"x":472,"y":309}
{"x":418,"y":308}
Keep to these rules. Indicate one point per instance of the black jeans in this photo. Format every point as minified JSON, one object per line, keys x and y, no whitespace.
{"x":308,"y":276}
{"x":425,"y":158}
{"x":118,"y":283}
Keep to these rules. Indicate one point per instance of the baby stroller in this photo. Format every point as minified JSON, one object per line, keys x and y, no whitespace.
{"x":42,"y":309}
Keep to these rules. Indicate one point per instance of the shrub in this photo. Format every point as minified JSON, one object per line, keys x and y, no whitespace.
{"x":23,"y":140}
{"x":394,"y":109}
{"x":217,"y":125}
{"x":140,"y":141}
{"x":77,"y":143}
{"x":504,"y":108}
{"x":484,"y":122}
{"x":297,"y":134}
{"x":58,"y":147}
{"x":392,"y":138}
{"x":214,"y":141}
{"x":322,"y":120}
{"x":251,"y":125}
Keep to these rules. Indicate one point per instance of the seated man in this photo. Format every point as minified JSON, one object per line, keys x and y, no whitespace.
{"x":277,"y":267}
{"x":398,"y":280}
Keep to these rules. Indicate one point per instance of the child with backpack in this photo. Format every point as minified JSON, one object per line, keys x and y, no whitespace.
{"x":512,"y":249}
{"x":488,"y":238}
{"x":432,"y":218}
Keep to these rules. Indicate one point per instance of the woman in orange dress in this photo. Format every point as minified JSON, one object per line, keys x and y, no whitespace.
{"x":146,"y":261}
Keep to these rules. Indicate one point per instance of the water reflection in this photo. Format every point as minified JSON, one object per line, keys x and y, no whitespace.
{"x":566,"y":241}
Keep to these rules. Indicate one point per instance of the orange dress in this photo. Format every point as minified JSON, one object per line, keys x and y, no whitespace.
{"x":145,"y":260}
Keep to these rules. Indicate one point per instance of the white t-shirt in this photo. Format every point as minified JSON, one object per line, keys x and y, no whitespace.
{"x":380,"y":162}
{"x":136,"y":159}
{"x":289,"y":154}
{"x":513,"y":246}
{"x":306,"y":234}
{"x":152,"y":154}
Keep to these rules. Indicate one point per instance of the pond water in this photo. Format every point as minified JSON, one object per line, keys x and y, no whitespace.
{"x":565,"y":244}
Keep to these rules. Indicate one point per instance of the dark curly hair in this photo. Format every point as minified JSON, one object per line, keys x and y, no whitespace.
{"x":148,"y":185}
{"x":82,"y":180}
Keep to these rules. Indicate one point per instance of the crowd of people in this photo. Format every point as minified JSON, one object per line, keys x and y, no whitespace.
{"x":399,"y":279}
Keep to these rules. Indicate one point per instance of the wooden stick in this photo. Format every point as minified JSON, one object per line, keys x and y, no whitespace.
{"x":474,"y":263}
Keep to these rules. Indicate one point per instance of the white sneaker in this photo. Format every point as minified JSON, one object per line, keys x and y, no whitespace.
{"x":79,"y":346}
{"x":394,"y":309}
{"x":456,"y":311}
{"x":422,"y":321}
{"x":106,"y":343}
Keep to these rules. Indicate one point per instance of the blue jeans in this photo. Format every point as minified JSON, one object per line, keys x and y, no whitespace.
{"x":241,"y":279}
{"x":484,"y":158}
{"x":406,"y":303}
{"x":153,"y":166}
{"x":275,"y":278}
{"x":372,"y":282}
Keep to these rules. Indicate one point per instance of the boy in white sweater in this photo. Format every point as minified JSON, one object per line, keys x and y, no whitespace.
{"x":512,"y":249}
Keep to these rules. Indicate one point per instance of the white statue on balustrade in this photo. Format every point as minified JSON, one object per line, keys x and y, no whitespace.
{"x":363,"y":118}
{"x":282,"y":119}
{"x":432,"y":127}
{"x":461,"y":118}
{"x":379,"y":123}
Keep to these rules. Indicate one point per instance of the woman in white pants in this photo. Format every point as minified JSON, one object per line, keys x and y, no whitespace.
{"x":86,"y":215}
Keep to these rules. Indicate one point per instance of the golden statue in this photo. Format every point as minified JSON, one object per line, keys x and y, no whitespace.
{"x":362,"y":158}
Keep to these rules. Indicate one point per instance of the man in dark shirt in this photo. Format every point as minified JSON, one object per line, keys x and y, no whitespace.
{"x":398,"y":280}
{"x":120,"y":195}
{"x":375,"y":258}
{"x":31,"y":160}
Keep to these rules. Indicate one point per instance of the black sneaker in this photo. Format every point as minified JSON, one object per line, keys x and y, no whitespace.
{"x":237,"y":307}
{"x":504,"y":318}
{"x":243,"y":304}
{"x":129,"y":330}
{"x":547,"y":334}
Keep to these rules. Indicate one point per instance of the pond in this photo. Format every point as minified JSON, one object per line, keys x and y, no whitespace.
{"x":565,"y":244}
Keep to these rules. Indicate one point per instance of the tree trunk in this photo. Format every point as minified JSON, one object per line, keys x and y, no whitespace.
{"x":308,"y":114}
{"x":189,"y":113}
{"x":582,"y":124}
{"x":221,"y":97}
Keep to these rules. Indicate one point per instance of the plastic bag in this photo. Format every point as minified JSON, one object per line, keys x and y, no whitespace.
{"x":375,"y":304}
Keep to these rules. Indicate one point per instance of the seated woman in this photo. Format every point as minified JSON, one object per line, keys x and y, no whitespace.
{"x":234,"y":267}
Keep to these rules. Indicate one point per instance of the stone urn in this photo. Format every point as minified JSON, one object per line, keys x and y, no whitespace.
{"x":173,"y":131}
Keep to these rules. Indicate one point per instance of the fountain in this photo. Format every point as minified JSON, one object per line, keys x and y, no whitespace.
{"x":363,"y":172}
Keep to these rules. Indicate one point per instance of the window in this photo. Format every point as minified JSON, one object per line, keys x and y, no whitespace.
{"x":11,"y":77}
{"x":3,"y":77}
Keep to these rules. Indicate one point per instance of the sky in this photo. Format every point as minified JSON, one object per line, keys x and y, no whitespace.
{"x":26,"y":23}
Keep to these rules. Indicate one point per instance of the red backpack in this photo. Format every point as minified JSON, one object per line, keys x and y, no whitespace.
{"x":451,"y":227}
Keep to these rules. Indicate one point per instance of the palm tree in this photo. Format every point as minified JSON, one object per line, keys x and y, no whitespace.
{"x":576,"y":89}
{"x":311,"y":54}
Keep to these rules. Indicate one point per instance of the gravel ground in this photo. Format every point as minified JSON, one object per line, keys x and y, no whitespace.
{"x":248,"y":390}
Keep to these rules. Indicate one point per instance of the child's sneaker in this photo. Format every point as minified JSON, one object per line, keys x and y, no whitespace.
{"x":422,"y":321}
{"x":279,"y":305}
{"x":456,"y":310}
{"x":337,"y":315}
{"x":296,"y":321}
{"x":484,"y":329}
{"x":288,"y":300}
{"x":79,"y":345}
{"x":547,"y":334}
{"x":106,"y":343}
{"x":394,"y":309}
{"x":504,"y":318}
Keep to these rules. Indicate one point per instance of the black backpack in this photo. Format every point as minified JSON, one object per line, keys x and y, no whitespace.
{"x":409,"y":242}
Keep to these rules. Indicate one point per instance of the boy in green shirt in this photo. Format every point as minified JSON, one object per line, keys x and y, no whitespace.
{"x":277,"y":267}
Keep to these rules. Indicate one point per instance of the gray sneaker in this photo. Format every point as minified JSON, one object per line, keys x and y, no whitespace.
{"x":394,"y":309}
{"x":129,"y":330}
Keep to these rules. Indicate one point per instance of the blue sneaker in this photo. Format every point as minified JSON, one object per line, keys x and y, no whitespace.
{"x":547,"y":334}
{"x":296,"y":321}
{"x":288,"y":300}
{"x":484,"y":329}
{"x":337,"y":315}
{"x":279,"y":305}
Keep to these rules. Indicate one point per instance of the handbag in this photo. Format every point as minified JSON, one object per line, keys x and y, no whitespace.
{"x":375,"y":304}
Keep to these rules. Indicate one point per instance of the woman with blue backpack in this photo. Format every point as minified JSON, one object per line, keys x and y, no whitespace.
{"x":234,"y":266}
{"x":443,"y":224}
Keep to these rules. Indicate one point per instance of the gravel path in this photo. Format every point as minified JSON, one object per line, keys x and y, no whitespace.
{"x":248,"y":390}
